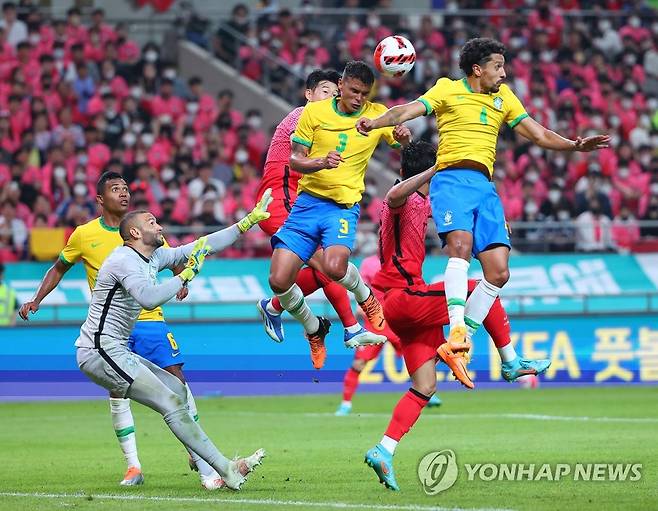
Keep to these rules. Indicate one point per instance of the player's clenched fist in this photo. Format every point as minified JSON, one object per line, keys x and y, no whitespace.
{"x":26,"y":308}
{"x":332,"y":160}
{"x":364,"y":125}
{"x":402,"y":134}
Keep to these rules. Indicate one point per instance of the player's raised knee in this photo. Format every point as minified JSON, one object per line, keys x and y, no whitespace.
{"x":280,"y":282}
{"x":335,"y":268}
{"x":498,"y":277}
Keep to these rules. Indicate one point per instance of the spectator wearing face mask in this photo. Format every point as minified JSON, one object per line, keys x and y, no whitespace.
{"x":204,"y":179}
{"x":562,"y":237}
{"x":368,"y":36}
{"x":594,"y":230}
{"x":225,"y":43}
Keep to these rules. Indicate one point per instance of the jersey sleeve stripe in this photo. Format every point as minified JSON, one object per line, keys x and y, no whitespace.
{"x":513,"y":123}
{"x":298,"y":140}
{"x":63,"y":259}
{"x":428,"y":107}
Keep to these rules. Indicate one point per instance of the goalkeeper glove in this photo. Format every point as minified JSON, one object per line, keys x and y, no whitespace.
{"x":258,"y":214}
{"x":195,"y":261}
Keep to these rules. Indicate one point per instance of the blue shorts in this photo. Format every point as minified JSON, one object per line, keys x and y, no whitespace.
{"x":465,"y":200}
{"x":317,"y":222}
{"x":153,"y":341}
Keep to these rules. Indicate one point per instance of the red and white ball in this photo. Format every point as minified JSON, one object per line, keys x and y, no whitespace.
{"x":394,"y":56}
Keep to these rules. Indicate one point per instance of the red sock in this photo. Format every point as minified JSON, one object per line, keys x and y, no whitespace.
{"x":406,"y":414}
{"x":310,"y":281}
{"x":497,"y":324}
{"x":350,"y":383}
{"x":307,"y":282}
{"x":337,"y":296}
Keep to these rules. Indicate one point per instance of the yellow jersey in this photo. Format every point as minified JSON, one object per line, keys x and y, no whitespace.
{"x":323,"y":128}
{"x":93,"y":242}
{"x":468,"y":122}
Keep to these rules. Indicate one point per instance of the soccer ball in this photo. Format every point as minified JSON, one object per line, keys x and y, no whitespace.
{"x":528,"y":381}
{"x":394,"y":56}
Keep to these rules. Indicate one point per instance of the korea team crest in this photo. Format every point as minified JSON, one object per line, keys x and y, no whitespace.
{"x":498,"y":103}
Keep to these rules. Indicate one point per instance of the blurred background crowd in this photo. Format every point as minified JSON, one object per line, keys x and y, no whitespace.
{"x":78,"y":97}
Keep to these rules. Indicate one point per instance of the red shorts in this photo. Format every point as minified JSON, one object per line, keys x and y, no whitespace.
{"x":283,"y":182}
{"x":368,"y":353}
{"x":278,"y":215}
{"x":417,"y":315}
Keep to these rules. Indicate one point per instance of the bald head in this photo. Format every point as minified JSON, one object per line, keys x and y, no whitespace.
{"x":132,"y":220}
{"x":141,"y":230}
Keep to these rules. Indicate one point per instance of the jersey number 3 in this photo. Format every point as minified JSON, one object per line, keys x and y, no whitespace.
{"x":342,"y":142}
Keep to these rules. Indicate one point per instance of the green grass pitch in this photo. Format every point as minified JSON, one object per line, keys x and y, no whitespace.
{"x":63,"y":455}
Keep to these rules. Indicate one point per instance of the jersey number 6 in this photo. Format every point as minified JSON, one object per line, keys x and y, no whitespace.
{"x":172,"y":341}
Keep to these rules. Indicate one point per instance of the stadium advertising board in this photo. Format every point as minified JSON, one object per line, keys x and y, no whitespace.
{"x":238,"y":358}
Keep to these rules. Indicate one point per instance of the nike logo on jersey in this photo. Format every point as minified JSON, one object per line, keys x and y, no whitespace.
{"x":175,"y":354}
{"x":94,"y":245}
{"x":340,"y":237}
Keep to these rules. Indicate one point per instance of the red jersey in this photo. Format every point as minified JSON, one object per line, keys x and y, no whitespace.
{"x":402,"y":243}
{"x":277,"y":173}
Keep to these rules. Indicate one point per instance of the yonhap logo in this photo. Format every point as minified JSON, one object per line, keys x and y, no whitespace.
{"x":438,"y":471}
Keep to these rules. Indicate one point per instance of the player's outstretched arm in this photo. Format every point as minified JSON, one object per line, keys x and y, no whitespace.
{"x":398,"y":195}
{"x":393,"y":116}
{"x":50,"y":281}
{"x":218,"y":240}
{"x":300,"y":162}
{"x":543,"y":137}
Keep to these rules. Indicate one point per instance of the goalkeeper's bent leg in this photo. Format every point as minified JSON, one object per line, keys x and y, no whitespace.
{"x":163,"y":392}
{"x":203,"y":467}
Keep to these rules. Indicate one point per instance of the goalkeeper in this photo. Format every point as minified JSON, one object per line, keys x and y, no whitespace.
{"x":126,"y":283}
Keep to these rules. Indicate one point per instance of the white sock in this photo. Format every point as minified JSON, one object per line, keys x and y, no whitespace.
{"x":507,"y":353}
{"x":353,"y":282}
{"x":124,"y":427}
{"x":479,"y":304}
{"x":293,"y":301}
{"x":456,"y":287}
{"x":354,"y":328}
{"x":205,"y":470}
{"x":347,"y":403}
{"x":389,"y":444}
{"x":270,"y":308}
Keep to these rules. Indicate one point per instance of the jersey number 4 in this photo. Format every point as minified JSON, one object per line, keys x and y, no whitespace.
{"x":342,"y":142}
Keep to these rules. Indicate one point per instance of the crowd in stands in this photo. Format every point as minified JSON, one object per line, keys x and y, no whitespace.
{"x":78,"y":97}
{"x":575,"y":73}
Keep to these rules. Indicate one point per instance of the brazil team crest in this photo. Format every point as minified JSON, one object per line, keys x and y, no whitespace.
{"x":447,"y":218}
{"x":498,"y":103}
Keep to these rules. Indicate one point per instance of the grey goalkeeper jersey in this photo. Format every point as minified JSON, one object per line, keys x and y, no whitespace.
{"x":127,"y":283}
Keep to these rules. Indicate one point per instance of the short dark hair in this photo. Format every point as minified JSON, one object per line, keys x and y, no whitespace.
{"x":478,"y":51}
{"x":359,"y":70}
{"x":8,"y":5}
{"x":417,"y":157}
{"x":105,"y":177}
{"x":320,"y":75}
{"x":128,"y":222}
